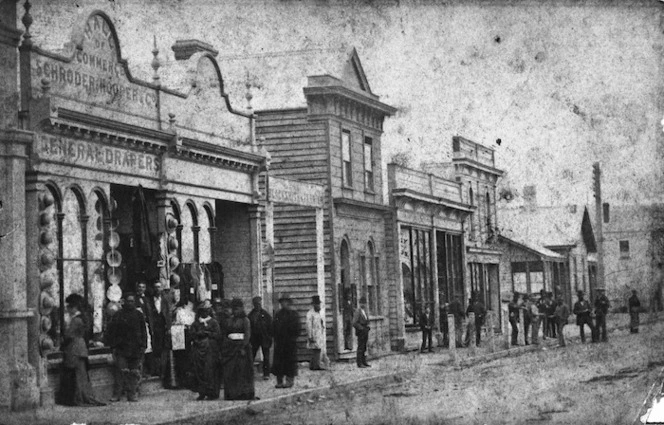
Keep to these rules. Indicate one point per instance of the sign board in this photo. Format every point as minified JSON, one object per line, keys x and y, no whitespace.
{"x":94,"y":155}
{"x":95,"y":74}
{"x":296,"y":193}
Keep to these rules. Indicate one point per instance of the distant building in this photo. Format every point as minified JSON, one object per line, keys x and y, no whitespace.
{"x":527,"y":268}
{"x":634,"y":252}
{"x":566,"y":230}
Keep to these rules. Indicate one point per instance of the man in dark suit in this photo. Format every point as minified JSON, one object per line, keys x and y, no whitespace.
{"x":261,"y":333}
{"x":127,"y":337}
{"x":426,"y":326}
{"x":143,"y":305}
{"x":160,"y":311}
{"x":513,"y":310}
{"x":602,"y":305}
{"x":286,"y":329}
{"x":477,"y":307}
{"x":361,"y":325}
{"x":582,"y":312}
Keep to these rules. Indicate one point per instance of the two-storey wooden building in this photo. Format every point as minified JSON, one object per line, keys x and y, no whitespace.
{"x":329,"y":136}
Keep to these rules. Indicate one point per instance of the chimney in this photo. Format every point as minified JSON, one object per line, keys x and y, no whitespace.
{"x":185,"y":48}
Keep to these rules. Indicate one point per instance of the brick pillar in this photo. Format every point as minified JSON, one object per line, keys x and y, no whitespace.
{"x":19,"y":389}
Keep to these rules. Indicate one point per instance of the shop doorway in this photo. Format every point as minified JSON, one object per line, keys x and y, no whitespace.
{"x":135,"y":215}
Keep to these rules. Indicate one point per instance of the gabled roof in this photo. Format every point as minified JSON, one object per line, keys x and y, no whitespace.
{"x":277,"y":79}
{"x":540,"y":251}
{"x":549,"y":227}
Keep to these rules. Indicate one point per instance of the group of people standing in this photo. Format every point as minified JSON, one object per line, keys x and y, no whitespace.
{"x":554,"y":316}
{"x":204,"y":349}
{"x":455,"y":308}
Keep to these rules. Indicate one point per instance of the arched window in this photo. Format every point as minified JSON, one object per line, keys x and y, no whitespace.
{"x":72,"y":255}
{"x":175,"y":208}
{"x":50,"y":264}
{"x":471,"y":217}
{"x":488,"y":212}
{"x":205,"y":237}
{"x":100,"y":238}
{"x":189,"y":233}
{"x":372,"y":289}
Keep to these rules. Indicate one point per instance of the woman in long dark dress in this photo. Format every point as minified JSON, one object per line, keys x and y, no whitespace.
{"x":634,"y":308}
{"x":237,"y":356}
{"x":75,"y":387}
{"x":205,"y":354}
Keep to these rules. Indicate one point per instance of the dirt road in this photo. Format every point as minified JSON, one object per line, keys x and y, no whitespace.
{"x":603,"y":383}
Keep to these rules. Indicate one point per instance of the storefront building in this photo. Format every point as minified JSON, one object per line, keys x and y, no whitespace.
{"x":427,"y":260}
{"x":115,"y":180}
{"x":473,"y":165}
{"x":527,"y":268}
{"x":331,"y":137}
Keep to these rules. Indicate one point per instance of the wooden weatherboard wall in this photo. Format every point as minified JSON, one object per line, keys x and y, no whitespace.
{"x":299,"y":150}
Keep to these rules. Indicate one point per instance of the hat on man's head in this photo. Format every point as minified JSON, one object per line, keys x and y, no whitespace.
{"x":236,"y":302}
{"x":285,"y":296}
{"x":315,"y":299}
{"x":579,"y":293}
{"x":363,"y":300}
{"x":256,"y":299}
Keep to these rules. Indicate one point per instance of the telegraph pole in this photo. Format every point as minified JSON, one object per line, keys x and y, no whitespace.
{"x":597,"y":187}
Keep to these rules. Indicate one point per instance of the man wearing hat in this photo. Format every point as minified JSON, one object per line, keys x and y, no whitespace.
{"x":582,"y":311}
{"x":602,"y":305}
{"x":361,"y":325}
{"x":127,"y":337}
{"x":261,"y":334}
{"x":286,"y":330}
{"x":513,"y":311}
{"x":315,"y":325}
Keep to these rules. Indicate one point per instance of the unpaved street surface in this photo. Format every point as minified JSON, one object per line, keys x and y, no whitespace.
{"x":603,"y":383}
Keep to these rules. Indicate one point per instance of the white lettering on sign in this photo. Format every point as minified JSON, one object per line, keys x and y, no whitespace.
{"x":297,"y":193}
{"x":94,"y":73}
{"x":83,"y":153}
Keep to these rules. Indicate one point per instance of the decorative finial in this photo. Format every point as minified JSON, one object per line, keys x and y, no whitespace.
{"x":249,"y":96}
{"x":155,"y":61}
{"x":27,"y":22}
{"x":171,"y":120}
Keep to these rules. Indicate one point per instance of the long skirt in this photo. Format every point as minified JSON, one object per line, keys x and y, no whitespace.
{"x":205,"y":361}
{"x":75,"y":387}
{"x":634,"y":322}
{"x":238,"y":371}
